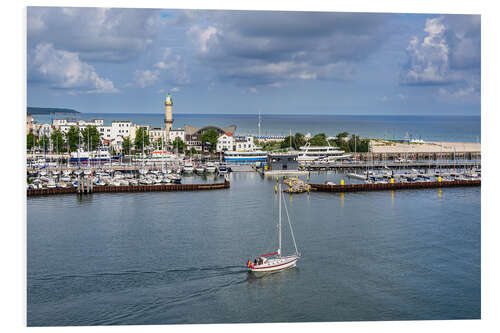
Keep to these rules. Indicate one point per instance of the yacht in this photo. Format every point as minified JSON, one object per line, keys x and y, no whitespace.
{"x":188,"y":167}
{"x":309,"y":154}
{"x":210,"y":167}
{"x":101,"y":155}
{"x":200,"y":169}
{"x":222,"y":169}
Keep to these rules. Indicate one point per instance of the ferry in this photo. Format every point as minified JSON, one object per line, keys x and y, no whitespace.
{"x":328,"y":153}
{"x":245,"y":157}
{"x":101,"y":155}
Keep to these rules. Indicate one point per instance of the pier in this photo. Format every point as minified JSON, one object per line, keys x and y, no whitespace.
{"x":393,"y":186}
{"x":132,"y":188}
{"x":422,"y":164}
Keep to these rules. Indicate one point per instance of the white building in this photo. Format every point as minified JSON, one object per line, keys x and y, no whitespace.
{"x":244,"y":143}
{"x":64,"y":125}
{"x":176,"y":133}
{"x":45,"y":129}
{"x":155,"y":134}
{"x":228,"y":142}
{"x":225,"y":142}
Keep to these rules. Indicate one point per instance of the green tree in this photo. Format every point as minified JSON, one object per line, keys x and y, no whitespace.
{"x":286,"y":142}
{"x":300,"y":140}
{"x":271,"y":146}
{"x":297,"y":140}
{"x":31,"y":141}
{"x":72,"y":138}
{"x":141,"y":138}
{"x":57,"y":138}
{"x":159,"y":143}
{"x":209,"y":138}
{"x":43,"y":143}
{"x":341,"y":142}
{"x":126,"y":145}
{"x":318,"y":140}
{"x":92,"y":137}
{"x":178,"y":144}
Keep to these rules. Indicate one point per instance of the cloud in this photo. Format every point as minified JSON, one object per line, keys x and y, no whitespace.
{"x":449,"y":54}
{"x":168,"y":69}
{"x":64,"y":70}
{"x":96,"y":34}
{"x":145,"y":78}
{"x":265,"y":48}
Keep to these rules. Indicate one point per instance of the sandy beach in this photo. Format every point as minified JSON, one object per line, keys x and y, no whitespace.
{"x":427,"y":147}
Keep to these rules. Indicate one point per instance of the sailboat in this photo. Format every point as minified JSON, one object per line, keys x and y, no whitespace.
{"x":274,"y":262}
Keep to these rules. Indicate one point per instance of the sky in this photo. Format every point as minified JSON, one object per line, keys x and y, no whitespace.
{"x":103,"y":60}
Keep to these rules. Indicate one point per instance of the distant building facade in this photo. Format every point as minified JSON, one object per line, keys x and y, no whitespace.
{"x":29,"y":123}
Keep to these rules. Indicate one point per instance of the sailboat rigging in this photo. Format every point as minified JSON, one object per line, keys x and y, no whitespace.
{"x":273,"y":262}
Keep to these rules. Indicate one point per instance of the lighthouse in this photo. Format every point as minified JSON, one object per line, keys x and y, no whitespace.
{"x":168,"y":114}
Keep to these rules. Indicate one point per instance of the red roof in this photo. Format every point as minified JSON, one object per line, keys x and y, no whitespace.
{"x":228,"y":134}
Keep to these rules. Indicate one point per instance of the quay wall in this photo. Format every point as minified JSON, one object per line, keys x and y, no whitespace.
{"x":394,"y":186}
{"x":132,"y":188}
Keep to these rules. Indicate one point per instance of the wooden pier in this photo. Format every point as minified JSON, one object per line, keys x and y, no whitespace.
{"x":392,"y":165}
{"x":131,"y":188}
{"x":393,"y":186}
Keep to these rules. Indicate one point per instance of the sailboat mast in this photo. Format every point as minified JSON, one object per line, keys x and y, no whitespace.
{"x":279,"y":223}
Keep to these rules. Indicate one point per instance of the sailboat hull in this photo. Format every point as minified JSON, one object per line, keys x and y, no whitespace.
{"x":275,"y":265}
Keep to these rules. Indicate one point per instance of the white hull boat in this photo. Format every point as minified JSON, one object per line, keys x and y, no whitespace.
{"x":210,"y":167}
{"x":275,"y":262}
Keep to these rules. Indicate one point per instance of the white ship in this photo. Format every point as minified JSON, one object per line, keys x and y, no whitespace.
{"x":101,"y":155}
{"x":309,"y":154}
{"x":245,"y":157}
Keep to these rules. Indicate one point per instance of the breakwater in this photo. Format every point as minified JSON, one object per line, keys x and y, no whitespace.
{"x":133,"y":188}
{"x":393,"y":186}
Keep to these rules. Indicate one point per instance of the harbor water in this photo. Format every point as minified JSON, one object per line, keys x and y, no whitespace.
{"x":180,"y":257}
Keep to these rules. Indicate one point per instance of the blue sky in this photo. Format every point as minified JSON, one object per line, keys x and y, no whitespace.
{"x":127,"y":60}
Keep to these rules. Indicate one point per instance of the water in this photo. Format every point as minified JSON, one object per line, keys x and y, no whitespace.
{"x":179,"y":257}
{"x":429,"y":128}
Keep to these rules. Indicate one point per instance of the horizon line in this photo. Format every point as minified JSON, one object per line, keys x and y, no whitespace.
{"x":289,"y":114}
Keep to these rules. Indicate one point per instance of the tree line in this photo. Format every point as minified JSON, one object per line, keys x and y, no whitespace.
{"x":343,"y":141}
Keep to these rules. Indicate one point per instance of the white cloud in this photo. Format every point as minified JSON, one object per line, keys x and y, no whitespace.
{"x":449,"y":54}
{"x":145,"y":78}
{"x":65,"y":70}
{"x":428,"y":60}
{"x":170,"y":68}
{"x":175,"y":89}
{"x":204,"y":37}
{"x":96,"y":34}
{"x":263,"y":48}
